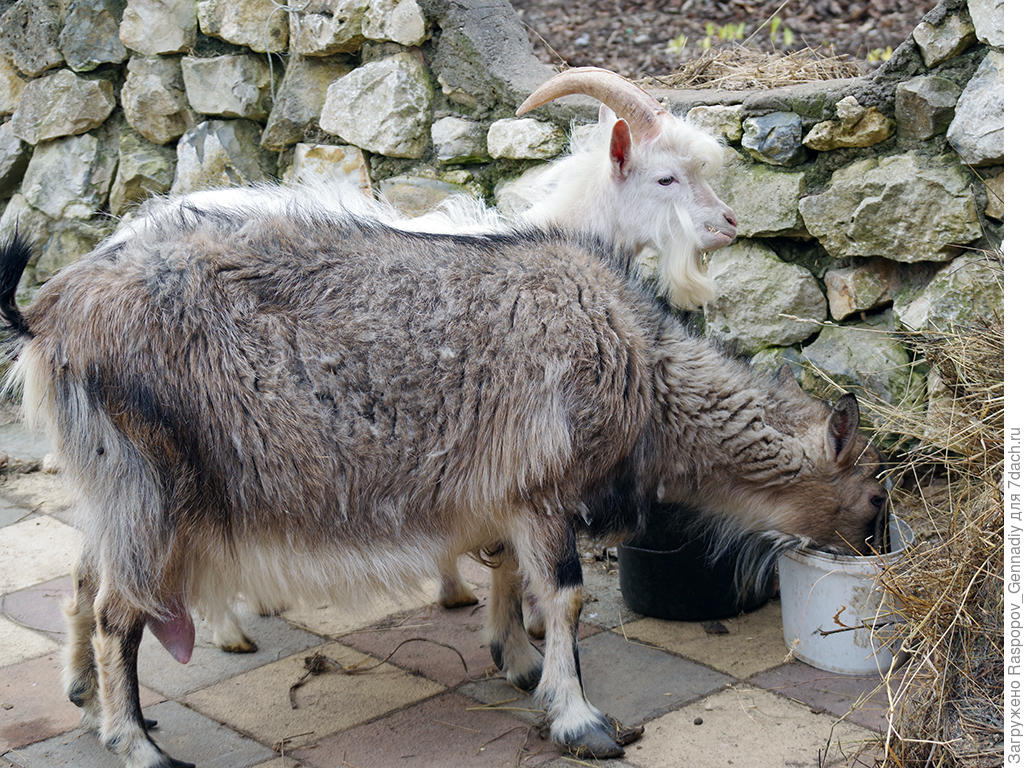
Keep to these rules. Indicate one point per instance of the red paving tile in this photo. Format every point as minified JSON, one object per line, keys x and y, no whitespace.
{"x":41,"y":607}
{"x":450,"y":731}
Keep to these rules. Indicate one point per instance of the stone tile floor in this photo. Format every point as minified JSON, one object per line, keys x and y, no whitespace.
{"x":426,"y":693}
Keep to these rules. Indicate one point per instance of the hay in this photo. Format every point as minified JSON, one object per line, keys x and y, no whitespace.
{"x":946,"y":704}
{"x":740,"y":68}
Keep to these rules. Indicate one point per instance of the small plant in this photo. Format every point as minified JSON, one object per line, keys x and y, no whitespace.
{"x":878,"y":55}
{"x":677,"y":44}
{"x":715,"y":34}
{"x":774,"y":27}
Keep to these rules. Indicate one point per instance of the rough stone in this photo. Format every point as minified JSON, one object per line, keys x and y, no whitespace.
{"x":334,"y":165}
{"x":905,"y":208}
{"x":143,"y":169}
{"x":90,"y":34}
{"x":154,"y":98}
{"x":300,"y":97}
{"x":763,"y":197}
{"x":415,"y":195}
{"x":29,"y":30}
{"x":70,"y":177}
{"x":857,"y":126}
{"x":236,"y":85}
{"x":260,"y":25}
{"x":987,"y":17}
{"x":858,"y":288}
{"x":967,"y":291}
{"x":382,"y":106}
{"x":976,"y":132}
{"x":153,"y":27}
{"x":14,"y":155}
{"x":753,"y":287}
{"x":775,"y":138}
{"x":457,"y":140}
{"x":32,"y":224}
{"x":483,"y":57}
{"x":70,"y":241}
{"x":718,"y":120}
{"x":219,"y":153}
{"x":62,"y":104}
{"x":11,"y":86}
{"x":524,"y":139}
{"x":925,"y":106}
{"x":994,"y":192}
{"x":324,"y":27}
{"x":513,"y":196}
{"x":862,"y":358}
{"x":400,"y":21}
{"x":941,"y":42}
{"x":770,"y":359}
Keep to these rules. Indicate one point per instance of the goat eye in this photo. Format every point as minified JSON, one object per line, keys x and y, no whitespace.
{"x":667,"y":180}
{"x":877,"y":502}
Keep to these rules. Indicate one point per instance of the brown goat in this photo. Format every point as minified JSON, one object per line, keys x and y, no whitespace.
{"x":304,"y":405}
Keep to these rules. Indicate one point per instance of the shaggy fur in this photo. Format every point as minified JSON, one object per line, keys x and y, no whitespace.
{"x":302,"y":404}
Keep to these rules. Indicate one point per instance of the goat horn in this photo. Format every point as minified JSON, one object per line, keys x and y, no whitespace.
{"x":637,"y":107}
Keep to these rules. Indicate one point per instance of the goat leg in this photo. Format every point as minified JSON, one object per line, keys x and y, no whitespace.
{"x":511,"y":649}
{"x":80,"y":682}
{"x":454,"y":592}
{"x":123,"y":730}
{"x":556,"y":576}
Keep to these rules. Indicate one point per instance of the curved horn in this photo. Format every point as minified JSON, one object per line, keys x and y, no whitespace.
{"x":637,"y":107}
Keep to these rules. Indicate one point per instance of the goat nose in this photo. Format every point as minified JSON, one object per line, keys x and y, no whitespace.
{"x":730,"y":217}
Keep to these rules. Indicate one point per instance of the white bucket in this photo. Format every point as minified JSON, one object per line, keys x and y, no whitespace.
{"x":822,"y":592}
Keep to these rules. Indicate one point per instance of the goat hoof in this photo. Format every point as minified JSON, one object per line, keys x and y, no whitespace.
{"x":458,"y":601}
{"x":623,"y":734}
{"x":592,"y":743}
{"x":245,"y":645}
{"x":529,"y":681}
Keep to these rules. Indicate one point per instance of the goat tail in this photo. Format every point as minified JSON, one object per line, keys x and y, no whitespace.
{"x":14,"y":257}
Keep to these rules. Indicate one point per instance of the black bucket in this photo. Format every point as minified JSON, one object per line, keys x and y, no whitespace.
{"x":664,"y":572}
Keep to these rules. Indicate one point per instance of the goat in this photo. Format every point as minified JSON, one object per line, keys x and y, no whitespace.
{"x":637,"y":181}
{"x":302,"y":404}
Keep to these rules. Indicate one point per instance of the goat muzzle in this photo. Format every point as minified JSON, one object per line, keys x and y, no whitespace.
{"x":639,"y":109}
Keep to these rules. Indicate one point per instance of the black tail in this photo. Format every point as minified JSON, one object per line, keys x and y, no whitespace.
{"x":14,"y":256}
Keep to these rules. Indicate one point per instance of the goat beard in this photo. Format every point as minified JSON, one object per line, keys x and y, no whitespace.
{"x":681,"y":273}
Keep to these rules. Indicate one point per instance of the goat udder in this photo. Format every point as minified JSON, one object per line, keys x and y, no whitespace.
{"x":176,"y":632}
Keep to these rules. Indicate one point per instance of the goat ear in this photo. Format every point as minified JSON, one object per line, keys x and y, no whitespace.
{"x":842,"y":428}
{"x":786,"y":381}
{"x":620,"y":150}
{"x":605,"y":116}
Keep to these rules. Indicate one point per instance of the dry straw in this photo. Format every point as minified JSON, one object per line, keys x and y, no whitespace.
{"x":946,"y":702}
{"x":741,"y":68}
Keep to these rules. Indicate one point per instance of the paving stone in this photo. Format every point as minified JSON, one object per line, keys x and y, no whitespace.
{"x":857,"y":698}
{"x":334,"y":621}
{"x":280,"y":762}
{"x":36,"y":550}
{"x":38,"y":707}
{"x":16,"y":440}
{"x":446,"y":731}
{"x":182,"y":733}
{"x":740,"y":723}
{"x":257,"y":702}
{"x":461,"y":628}
{"x":12,"y":512}
{"x":43,"y":493}
{"x":754,"y":642}
{"x":41,"y":607}
{"x":496,"y":694}
{"x":602,"y":600}
{"x":18,"y":644}
{"x":275,"y":639}
{"x":635,"y":683}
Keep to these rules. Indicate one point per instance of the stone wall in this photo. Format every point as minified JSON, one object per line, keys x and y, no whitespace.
{"x":864,"y":204}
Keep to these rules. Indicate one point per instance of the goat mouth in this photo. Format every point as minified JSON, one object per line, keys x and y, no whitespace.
{"x":722,"y":237}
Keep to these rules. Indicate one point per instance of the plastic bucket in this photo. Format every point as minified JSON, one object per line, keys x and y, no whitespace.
{"x":824,"y":595}
{"x":665,"y":572}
